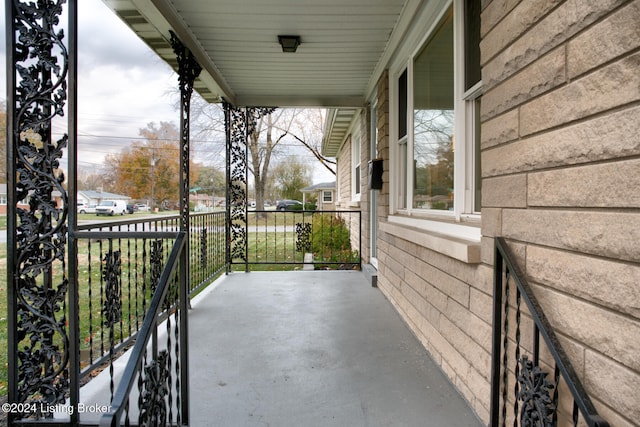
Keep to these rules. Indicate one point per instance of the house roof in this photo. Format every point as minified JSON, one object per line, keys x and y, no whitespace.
{"x":102,"y":195}
{"x":336,"y":127}
{"x":345,"y":46}
{"x":319,"y":186}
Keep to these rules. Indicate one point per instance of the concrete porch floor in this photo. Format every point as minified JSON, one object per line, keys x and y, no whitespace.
{"x":311,"y":348}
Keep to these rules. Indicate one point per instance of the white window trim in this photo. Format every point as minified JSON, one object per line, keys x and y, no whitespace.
{"x":356,"y":191}
{"x":463,"y":174}
{"x":454,"y":229}
{"x":330,"y":196}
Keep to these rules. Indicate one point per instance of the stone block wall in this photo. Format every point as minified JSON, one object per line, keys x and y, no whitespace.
{"x":561,"y":176}
{"x":561,"y":181}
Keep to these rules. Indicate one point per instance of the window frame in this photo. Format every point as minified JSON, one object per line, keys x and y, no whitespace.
{"x":466,"y":128}
{"x":324,"y":193}
{"x":356,"y":166}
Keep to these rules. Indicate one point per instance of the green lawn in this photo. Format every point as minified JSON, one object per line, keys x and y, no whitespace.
{"x":264,"y":247}
{"x":94,"y":339}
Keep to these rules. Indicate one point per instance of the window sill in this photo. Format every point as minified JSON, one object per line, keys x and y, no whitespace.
{"x":350,"y":204}
{"x":461,"y":244}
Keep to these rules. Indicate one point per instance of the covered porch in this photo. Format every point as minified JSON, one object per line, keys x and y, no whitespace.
{"x":309,"y":348}
{"x":289,"y":348}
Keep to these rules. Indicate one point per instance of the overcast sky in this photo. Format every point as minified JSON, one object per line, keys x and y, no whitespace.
{"x":122,"y":84}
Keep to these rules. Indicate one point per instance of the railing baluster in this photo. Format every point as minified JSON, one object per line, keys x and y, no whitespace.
{"x":516,"y":384}
{"x":505,"y":360}
{"x":90,"y":298}
{"x":534,"y":404}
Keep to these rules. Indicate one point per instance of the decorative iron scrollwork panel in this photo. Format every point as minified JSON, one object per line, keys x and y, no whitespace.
{"x":156,"y":257}
{"x":112,"y":304}
{"x":40,"y":339}
{"x":237,"y":182}
{"x":188,"y":71}
{"x":537,"y":406}
{"x":155,"y":389}
{"x":303,"y":237}
{"x":240,"y":123}
{"x":204,"y":255}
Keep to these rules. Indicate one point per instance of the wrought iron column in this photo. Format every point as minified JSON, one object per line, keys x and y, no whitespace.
{"x":42,"y":316}
{"x":240,"y":123}
{"x":188,"y":71}
{"x":236,"y":197}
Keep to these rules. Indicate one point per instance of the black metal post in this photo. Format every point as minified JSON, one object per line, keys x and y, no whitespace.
{"x":189,"y":69}
{"x":38,"y":309}
{"x":12,"y":321}
{"x":74,"y":307}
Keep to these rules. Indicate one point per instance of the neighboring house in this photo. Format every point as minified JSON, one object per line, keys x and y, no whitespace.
{"x":24,"y":204}
{"x":325,"y":195}
{"x":201,"y":202}
{"x":542,"y":100}
{"x":93,"y":197}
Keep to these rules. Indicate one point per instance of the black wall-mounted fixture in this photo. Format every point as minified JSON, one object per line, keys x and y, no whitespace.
{"x":289,"y":43}
{"x":375,"y":174}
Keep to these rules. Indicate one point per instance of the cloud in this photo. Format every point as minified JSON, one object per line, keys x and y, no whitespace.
{"x":103,"y":39}
{"x":122,"y":84}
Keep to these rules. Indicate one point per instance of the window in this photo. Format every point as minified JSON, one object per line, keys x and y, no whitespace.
{"x":327,"y":196}
{"x":355,"y":161}
{"x":433,"y":121}
{"x":402,"y":138}
{"x":437,"y":156}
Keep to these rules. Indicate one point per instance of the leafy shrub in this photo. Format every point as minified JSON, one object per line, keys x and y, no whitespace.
{"x":307,"y":207}
{"x":331,"y":240}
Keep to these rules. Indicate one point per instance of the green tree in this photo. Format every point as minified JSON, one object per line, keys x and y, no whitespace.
{"x":149,"y":169}
{"x":291,"y":177}
{"x":211,"y":180}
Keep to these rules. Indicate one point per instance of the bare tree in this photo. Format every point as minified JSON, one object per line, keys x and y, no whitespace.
{"x":308,"y":130}
{"x":290,"y":127}
{"x":262,"y":149}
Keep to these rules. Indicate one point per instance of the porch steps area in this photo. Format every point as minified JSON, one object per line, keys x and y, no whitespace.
{"x":311,"y":348}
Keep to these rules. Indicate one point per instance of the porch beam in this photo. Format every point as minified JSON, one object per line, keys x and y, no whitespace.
{"x":319,"y":101}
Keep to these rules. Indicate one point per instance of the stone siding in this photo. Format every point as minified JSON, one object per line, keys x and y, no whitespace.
{"x":561,"y":176}
{"x":561,"y":181}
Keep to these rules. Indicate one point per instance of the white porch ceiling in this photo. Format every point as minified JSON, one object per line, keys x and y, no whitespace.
{"x":345,"y":44}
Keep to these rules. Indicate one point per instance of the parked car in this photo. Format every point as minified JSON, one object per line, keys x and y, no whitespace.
{"x":289,"y":205}
{"x":131,"y":208}
{"x":83,"y":208}
{"x":141,"y":207}
{"x":111,"y":207}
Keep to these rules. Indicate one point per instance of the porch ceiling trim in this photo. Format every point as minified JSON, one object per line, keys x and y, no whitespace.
{"x":152,"y":20}
{"x":337,"y":125}
{"x":346,"y":44}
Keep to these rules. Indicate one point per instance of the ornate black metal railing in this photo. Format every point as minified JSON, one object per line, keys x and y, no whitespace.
{"x":141,"y":252}
{"x":155,"y":361}
{"x":523,"y":393}
{"x":328,"y":239}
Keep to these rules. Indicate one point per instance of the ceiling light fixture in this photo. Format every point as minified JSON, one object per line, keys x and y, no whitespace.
{"x":289,"y":43}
